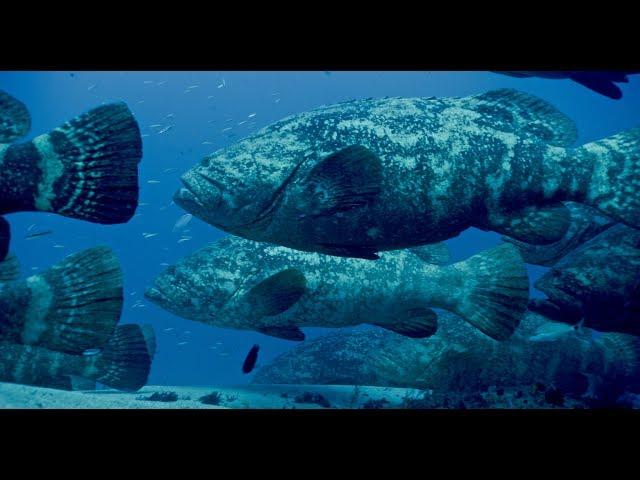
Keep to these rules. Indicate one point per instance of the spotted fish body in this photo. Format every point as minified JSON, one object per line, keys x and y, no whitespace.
{"x":236,"y":283}
{"x":599,"y":282}
{"x":459,"y":359}
{"x":359,"y":177}
{"x":585,"y":224}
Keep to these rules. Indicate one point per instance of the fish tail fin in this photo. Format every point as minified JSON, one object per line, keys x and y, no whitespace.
{"x":625,"y":351}
{"x":89,"y":166}
{"x":76,"y":304}
{"x":15,"y":120}
{"x":495,"y":291}
{"x":5,"y":238}
{"x":613,"y":185}
{"x":125,"y":361}
{"x":149,"y":338}
{"x":9,"y":269}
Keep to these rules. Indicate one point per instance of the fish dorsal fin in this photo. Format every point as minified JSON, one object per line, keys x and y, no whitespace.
{"x":15,"y":120}
{"x":278,"y":293}
{"x":9,"y":269}
{"x":289,"y":332}
{"x":435,"y":253}
{"x":347,"y":179}
{"x":528,"y":113}
{"x":417,"y":322}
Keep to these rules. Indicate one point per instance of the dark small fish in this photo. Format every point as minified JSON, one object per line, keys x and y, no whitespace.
{"x":250,"y":361}
{"x":602,"y":82}
{"x":38,"y":234}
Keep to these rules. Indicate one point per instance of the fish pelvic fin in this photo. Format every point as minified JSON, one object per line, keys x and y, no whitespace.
{"x":125,"y":362}
{"x":614,"y":176}
{"x":495,"y":291}
{"x":76,"y":304}
{"x":89,"y":166}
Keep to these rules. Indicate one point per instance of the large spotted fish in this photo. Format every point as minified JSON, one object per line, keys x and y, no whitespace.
{"x":237,"y":283}
{"x":598,"y":284}
{"x":85,"y":169}
{"x":356,"y":178}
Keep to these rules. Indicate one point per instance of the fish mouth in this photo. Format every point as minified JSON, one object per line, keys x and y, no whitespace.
{"x":156,"y":296}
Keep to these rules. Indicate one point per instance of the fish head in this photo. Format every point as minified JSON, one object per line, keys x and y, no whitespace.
{"x":200,"y":286}
{"x":230,"y":283}
{"x":236,"y":188}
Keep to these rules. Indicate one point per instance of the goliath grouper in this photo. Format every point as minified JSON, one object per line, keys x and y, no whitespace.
{"x":72,"y":307}
{"x":598,"y":284}
{"x":85,"y":169}
{"x":123,"y":363}
{"x":237,"y":283}
{"x":360,"y":177}
{"x":457,"y":359}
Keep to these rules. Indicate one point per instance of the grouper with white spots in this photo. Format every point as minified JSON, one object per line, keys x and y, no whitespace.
{"x":85,"y":169}
{"x":71,"y":307}
{"x":360,"y":177}
{"x":238,"y":283}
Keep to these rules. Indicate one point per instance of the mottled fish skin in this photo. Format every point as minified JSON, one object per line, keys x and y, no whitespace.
{"x":123,"y":364}
{"x":586,"y":223}
{"x":457,"y":358}
{"x":85,"y":169}
{"x":211,"y":285}
{"x":598,"y":280}
{"x":447,"y":164}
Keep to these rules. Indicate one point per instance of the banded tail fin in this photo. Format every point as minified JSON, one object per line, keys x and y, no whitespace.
{"x":149,"y":338}
{"x":614,"y":180}
{"x":5,"y":238}
{"x":625,"y":350}
{"x":9,"y":269}
{"x":125,"y":362}
{"x":89,"y":166}
{"x":15,"y":120}
{"x":76,"y":304}
{"x":495,"y":291}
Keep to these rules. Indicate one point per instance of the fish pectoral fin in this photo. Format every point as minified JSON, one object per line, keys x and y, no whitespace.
{"x":15,"y":120}
{"x":527,"y":114}
{"x":414,"y":323}
{"x":290,"y":332}
{"x":350,"y":178}
{"x":435,"y":253}
{"x":278,"y":293}
{"x":532,"y":225}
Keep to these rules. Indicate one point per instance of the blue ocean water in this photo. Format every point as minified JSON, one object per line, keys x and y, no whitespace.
{"x":210,"y":110}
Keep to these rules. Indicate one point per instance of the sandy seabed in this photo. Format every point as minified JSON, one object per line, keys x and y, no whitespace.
{"x":243,"y":397}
